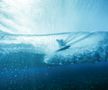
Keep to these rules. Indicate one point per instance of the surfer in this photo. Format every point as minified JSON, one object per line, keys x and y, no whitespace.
{"x":67,"y":43}
{"x":62,"y":44}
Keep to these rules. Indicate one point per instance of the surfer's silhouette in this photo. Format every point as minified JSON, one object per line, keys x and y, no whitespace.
{"x":62,"y":44}
{"x":67,"y":43}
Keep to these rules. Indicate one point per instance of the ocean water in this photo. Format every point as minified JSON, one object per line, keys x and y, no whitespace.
{"x":30,"y":57}
{"x":30,"y":62}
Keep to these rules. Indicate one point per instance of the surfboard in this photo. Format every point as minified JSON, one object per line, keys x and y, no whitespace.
{"x":63,"y":48}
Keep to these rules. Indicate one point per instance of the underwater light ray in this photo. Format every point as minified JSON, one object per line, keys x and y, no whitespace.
{"x":7,"y":26}
{"x":40,"y":17}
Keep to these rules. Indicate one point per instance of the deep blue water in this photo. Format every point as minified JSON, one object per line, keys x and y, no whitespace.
{"x":67,"y":77}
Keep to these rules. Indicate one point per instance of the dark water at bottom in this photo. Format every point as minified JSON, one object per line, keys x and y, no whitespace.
{"x":67,"y":77}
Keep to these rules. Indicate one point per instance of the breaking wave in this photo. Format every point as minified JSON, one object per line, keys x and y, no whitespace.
{"x":27,"y":54}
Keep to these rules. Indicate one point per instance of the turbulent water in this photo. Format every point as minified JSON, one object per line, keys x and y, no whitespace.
{"x":38,"y":50}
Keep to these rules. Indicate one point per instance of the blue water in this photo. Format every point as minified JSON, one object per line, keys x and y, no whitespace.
{"x":68,"y":77}
{"x":28,"y":33}
{"x":22,"y":66}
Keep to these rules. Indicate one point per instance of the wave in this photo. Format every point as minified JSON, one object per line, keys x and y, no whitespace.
{"x":23,"y":51}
